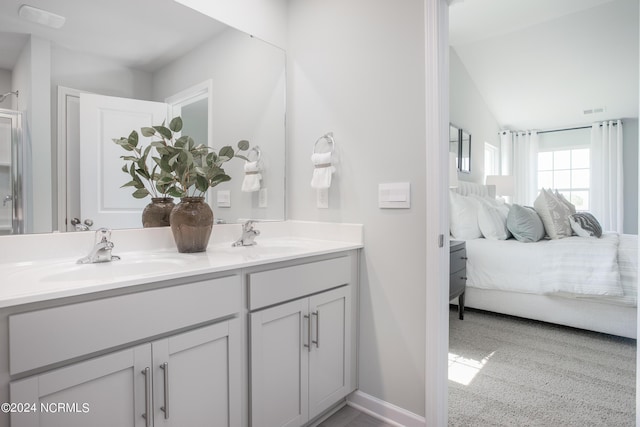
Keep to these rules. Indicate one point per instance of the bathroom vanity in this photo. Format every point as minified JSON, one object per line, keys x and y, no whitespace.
{"x":261,"y":336}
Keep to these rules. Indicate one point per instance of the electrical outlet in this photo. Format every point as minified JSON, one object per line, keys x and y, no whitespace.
{"x":322,"y":198}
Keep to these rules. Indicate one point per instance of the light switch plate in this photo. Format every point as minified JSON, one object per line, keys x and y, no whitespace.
{"x":223,"y":199}
{"x":396,"y":195}
{"x":262,"y":198}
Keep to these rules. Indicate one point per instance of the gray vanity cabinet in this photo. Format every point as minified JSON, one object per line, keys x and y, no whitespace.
{"x":106,"y":391}
{"x":170,"y":356}
{"x":301,"y":350}
{"x":178,"y":381}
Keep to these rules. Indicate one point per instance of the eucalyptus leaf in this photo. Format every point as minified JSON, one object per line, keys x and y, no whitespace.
{"x":176,"y":124}
{"x":219,"y":179}
{"x":202,"y":184}
{"x":165,"y":132}
{"x":141,"y":193}
{"x":147,"y":131}
{"x":243,"y":145}
{"x":130,"y":184}
{"x":133,"y":138}
{"x":226,"y":151}
{"x":240,"y":156}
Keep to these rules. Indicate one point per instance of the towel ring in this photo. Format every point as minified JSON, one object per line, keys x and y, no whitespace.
{"x":329,"y":139}
{"x":255,"y":149}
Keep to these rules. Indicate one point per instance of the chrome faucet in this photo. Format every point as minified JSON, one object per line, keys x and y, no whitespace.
{"x":101,"y":251}
{"x":78,"y":226}
{"x":248,"y":235}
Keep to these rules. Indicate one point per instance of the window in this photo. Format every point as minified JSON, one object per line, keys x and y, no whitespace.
{"x":566,"y":170}
{"x":491,"y":160}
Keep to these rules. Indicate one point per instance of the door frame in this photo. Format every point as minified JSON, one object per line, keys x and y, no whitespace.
{"x":63,"y":199}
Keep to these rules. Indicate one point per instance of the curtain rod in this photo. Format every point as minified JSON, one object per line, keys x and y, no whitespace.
{"x":554,"y":130}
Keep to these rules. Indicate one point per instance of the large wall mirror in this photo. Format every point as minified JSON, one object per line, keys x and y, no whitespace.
{"x":227,"y":85}
{"x":460,"y":144}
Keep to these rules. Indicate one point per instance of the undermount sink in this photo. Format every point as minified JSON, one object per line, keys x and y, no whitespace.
{"x":263,"y":247}
{"x":127,"y":266}
{"x":121,"y":267}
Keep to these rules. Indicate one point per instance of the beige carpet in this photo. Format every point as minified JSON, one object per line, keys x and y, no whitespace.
{"x":527,"y":373}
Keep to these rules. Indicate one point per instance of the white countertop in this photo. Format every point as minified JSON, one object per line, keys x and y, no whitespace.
{"x":27,"y":279}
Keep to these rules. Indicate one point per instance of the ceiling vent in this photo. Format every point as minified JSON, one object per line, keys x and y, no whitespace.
{"x":597,"y":110}
{"x":40,"y":16}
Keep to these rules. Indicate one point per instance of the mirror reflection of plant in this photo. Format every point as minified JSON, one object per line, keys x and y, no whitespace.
{"x":182,"y":168}
{"x":142,"y":179}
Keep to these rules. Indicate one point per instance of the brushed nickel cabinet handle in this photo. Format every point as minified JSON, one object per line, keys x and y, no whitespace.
{"x":308,"y":343}
{"x":147,"y":396}
{"x":464,"y":258}
{"x":165,"y":407}
{"x":317,"y":341}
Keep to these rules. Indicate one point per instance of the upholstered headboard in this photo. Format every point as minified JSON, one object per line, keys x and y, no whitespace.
{"x":468,"y":188}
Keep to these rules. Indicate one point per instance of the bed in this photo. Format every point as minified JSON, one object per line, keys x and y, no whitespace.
{"x":583,"y":282}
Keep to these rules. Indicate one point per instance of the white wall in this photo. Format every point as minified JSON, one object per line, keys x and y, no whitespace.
{"x":5,"y":86}
{"x":32,"y":77}
{"x":96,"y":74}
{"x":357,"y":69}
{"x":248,"y":103}
{"x":266,"y":20}
{"x":469,"y":111}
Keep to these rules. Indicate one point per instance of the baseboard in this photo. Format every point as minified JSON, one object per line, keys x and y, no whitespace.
{"x":384,"y":411}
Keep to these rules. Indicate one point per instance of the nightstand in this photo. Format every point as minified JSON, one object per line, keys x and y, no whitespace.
{"x":458,"y":273}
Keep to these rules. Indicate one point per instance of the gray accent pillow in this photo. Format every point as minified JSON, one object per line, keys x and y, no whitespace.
{"x":585,"y":224}
{"x":554,"y":214}
{"x":525,"y":223}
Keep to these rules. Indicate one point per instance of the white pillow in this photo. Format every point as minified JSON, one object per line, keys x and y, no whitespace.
{"x":567,"y":203}
{"x":463,"y":222}
{"x":492,"y":218}
{"x":554,"y":215}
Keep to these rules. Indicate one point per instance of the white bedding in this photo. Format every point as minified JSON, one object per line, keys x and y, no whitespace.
{"x":602,"y":269}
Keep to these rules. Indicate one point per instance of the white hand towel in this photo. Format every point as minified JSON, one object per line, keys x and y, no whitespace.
{"x":252,"y":177}
{"x":322,"y":170}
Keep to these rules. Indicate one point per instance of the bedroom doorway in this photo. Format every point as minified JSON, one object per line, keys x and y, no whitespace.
{"x":471,"y":367}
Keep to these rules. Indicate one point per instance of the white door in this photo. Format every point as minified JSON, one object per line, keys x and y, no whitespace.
{"x":279,"y":365}
{"x":329,"y":359}
{"x":103,"y":118}
{"x":107,"y":391}
{"x":197,"y":377}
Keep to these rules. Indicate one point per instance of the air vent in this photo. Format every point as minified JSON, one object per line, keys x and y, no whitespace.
{"x":596,"y":110}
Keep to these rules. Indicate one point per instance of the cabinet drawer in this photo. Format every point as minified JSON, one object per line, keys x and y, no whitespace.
{"x":457,"y":282}
{"x":457,"y":260}
{"x":53,"y":335}
{"x":284,"y":284}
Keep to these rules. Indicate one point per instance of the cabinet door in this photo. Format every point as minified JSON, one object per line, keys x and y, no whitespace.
{"x":103,"y":392}
{"x":329,"y":360}
{"x":197,"y":377}
{"x":279,"y":365}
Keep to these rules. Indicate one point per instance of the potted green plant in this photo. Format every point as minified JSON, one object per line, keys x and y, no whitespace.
{"x":145,"y":181}
{"x":186,"y":170}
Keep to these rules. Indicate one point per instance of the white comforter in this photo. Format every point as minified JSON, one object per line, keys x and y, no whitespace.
{"x":604,"y":268}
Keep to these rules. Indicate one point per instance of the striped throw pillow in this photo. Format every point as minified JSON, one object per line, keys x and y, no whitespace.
{"x":585,"y":224}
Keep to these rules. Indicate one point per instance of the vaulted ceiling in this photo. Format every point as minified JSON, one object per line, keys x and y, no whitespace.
{"x":539,"y":64}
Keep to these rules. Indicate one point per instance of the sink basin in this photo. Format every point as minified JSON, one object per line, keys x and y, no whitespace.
{"x":264,"y":248}
{"x":128,"y":266}
{"x":123,"y":267}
